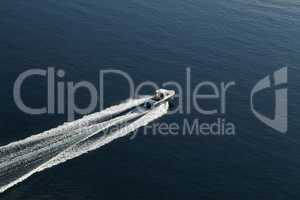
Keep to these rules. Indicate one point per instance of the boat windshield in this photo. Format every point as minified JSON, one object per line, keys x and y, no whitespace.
{"x":158,"y":96}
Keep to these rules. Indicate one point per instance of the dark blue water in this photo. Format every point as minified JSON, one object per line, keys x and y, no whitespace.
{"x":220,"y":40}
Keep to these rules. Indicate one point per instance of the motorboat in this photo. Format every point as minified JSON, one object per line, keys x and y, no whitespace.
{"x":160,"y":96}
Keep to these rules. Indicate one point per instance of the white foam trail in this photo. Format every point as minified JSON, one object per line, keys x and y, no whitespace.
{"x":70,"y":126}
{"x":79,"y":136}
{"x":84,"y":147}
{"x":31,"y":143}
{"x":82,"y":144}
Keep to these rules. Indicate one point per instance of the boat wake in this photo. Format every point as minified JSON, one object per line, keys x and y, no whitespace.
{"x":19,"y":160}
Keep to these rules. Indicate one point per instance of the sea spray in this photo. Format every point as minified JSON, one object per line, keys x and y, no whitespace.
{"x":24,"y":146}
{"x":82,"y":142}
